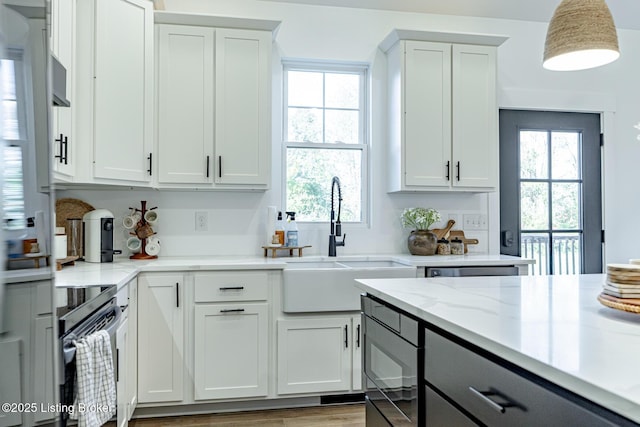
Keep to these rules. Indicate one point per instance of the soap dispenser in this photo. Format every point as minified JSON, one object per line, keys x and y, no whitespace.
{"x":292,"y":230}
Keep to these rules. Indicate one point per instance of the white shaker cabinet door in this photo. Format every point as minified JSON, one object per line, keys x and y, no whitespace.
{"x":475,"y":116}
{"x":160,"y":338}
{"x":243,"y":103}
{"x":123,"y":90}
{"x":185,"y":104}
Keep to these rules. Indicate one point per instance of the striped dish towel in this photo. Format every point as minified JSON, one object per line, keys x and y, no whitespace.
{"x":95,"y":400}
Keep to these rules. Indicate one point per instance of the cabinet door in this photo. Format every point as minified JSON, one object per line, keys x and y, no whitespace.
{"x":185,"y":104}
{"x":475,"y":116}
{"x":321,"y":343}
{"x":132,"y":349}
{"x":63,"y":18}
{"x":231,"y":352}
{"x":243,"y":103}
{"x":43,"y":388}
{"x":122,"y":338}
{"x":160,"y":338}
{"x":356,"y":353}
{"x":427,"y":120}
{"x":10,"y":382}
{"x":123,"y":90}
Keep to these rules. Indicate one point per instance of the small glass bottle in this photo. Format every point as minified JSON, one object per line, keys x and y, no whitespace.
{"x":443,"y":247}
{"x":457,"y":247}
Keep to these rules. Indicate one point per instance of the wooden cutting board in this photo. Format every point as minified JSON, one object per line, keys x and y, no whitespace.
{"x":443,"y":232}
{"x":460,"y":235}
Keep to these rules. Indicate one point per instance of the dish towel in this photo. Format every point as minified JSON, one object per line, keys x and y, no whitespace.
{"x":95,"y":401}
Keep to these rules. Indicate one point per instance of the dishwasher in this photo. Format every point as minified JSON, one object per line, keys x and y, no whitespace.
{"x":496,"y":270}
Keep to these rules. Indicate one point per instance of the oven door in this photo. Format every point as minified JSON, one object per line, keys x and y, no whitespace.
{"x":391,"y":374}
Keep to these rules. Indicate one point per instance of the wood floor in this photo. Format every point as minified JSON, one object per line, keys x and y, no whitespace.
{"x":351,"y":415}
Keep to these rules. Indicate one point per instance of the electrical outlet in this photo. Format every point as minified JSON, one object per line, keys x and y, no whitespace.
{"x":202,"y":221}
{"x":475,"y":222}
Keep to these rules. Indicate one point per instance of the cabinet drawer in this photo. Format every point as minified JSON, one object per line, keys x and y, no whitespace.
{"x":468,"y":379}
{"x":231,"y":286}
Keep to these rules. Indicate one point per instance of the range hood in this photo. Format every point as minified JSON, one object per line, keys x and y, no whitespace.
{"x":59,"y":83}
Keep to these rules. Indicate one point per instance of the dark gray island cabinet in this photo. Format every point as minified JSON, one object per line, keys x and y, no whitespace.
{"x":467,"y":386}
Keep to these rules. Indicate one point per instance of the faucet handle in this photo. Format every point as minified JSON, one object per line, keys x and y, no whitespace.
{"x":342,"y":242}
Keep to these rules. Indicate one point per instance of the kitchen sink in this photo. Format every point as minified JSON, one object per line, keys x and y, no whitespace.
{"x":328,"y":285}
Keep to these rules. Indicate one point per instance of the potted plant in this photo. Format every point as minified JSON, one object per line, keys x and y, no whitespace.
{"x":421,"y":241}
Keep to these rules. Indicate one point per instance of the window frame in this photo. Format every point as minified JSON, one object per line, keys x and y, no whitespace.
{"x":364,"y":141}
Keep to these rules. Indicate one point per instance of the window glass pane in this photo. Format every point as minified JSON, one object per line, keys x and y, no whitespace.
{"x":305,"y":125}
{"x":566,"y":210}
{"x":534,"y":205}
{"x":536,"y":246}
{"x":342,"y":91}
{"x":566,"y":253}
{"x":534,"y":154}
{"x":309,"y":173}
{"x":342,"y":126}
{"x":10,"y":126}
{"x":7,"y":69}
{"x":13,"y":188}
{"x":564,"y":155}
{"x":305,"y":89}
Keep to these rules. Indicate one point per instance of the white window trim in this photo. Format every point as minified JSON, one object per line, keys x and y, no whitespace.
{"x":364,"y":146}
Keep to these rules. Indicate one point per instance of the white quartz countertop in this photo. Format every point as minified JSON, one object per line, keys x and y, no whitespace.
{"x":552,"y":326}
{"x":122,"y":270}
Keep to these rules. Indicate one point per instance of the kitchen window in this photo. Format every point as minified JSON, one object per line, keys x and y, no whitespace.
{"x":325,"y":135}
{"x":13,"y":138}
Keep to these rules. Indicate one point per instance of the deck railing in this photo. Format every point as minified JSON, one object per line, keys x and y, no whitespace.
{"x":565,"y":253}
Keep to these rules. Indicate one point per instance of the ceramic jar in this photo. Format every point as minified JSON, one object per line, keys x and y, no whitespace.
{"x":422,"y":242}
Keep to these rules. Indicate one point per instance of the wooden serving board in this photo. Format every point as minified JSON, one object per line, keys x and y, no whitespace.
{"x":460,"y":235}
{"x":443,"y":232}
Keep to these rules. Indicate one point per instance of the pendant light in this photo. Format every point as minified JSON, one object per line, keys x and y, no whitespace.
{"x":581,"y":35}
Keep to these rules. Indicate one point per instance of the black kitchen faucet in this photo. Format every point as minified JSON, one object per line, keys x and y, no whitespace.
{"x":336,"y":226}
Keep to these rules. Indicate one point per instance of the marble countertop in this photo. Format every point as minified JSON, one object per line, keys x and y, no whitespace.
{"x":552,"y":326}
{"x":122,"y":270}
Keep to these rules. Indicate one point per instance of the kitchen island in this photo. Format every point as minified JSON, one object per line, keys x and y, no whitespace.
{"x":549,"y":329}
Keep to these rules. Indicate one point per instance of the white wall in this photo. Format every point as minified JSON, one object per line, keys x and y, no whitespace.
{"x":237,"y":220}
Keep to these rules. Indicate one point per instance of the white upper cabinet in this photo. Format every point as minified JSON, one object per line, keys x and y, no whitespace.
{"x":213,"y":103}
{"x":243,"y":103}
{"x":63,"y":21}
{"x":185,"y":104}
{"x":114,"y":92}
{"x":443,"y":112}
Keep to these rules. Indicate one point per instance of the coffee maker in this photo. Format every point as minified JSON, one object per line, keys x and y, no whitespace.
{"x":98,"y":236}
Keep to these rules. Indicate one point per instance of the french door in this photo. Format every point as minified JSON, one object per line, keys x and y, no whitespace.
{"x":550,"y":190}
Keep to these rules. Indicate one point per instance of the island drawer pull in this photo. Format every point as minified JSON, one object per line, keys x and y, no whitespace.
{"x":232,"y":288}
{"x":485,"y":397}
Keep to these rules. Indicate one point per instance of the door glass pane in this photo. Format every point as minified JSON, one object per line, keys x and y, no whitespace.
{"x":305,"y":89}
{"x":305,"y":125}
{"x":567,"y":253}
{"x":534,"y":157}
{"x":342,"y":126}
{"x":566,"y":206}
{"x":564,"y":155}
{"x":536,"y":246}
{"x":309,"y":173}
{"x":534,"y":205}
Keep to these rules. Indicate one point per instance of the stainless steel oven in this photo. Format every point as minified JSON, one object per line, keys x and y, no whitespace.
{"x":83,"y":312}
{"x":393,"y":347}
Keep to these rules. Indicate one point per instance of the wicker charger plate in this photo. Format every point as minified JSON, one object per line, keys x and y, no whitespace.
{"x":70,"y":208}
{"x":619,"y":303}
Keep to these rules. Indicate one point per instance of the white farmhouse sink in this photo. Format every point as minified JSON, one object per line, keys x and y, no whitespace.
{"x":328,"y":285}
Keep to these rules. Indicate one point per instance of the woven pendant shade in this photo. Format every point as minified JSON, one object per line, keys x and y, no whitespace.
{"x":581,"y":35}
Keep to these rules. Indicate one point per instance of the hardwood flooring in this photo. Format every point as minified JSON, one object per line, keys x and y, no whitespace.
{"x":320,"y":416}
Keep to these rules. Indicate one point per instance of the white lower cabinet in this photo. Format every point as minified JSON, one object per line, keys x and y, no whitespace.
{"x":122,"y":335}
{"x":10,"y":381}
{"x":319,"y":354}
{"x":231,"y":350}
{"x":161,"y":338}
{"x":132,"y":350}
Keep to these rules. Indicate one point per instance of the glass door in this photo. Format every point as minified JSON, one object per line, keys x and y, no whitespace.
{"x":550,"y":190}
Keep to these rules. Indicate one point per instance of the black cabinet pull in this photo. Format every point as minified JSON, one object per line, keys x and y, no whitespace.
{"x":448,"y":168}
{"x":346,"y":336}
{"x":232,"y":288}
{"x":150,"y":163}
{"x":64,"y":143}
{"x":207,"y":166}
{"x":358,"y":336}
{"x":177,"y":294}
{"x":232,"y":310}
{"x":458,"y":171}
{"x":219,"y":166}
{"x":117,"y":365}
{"x":62,"y":147}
